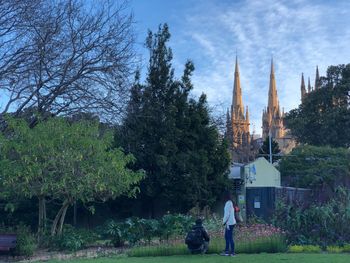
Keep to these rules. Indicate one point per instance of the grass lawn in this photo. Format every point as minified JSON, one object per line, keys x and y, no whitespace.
{"x":242,"y":258}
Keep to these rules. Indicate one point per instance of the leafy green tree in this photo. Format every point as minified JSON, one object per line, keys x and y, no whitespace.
{"x":171,"y":135}
{"x":265,"y":150}
{"x":65,"y":162}
{"x":322,"y":169}
{"x":324,"y":116}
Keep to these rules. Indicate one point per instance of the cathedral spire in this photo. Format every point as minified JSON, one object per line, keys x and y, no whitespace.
{"x":237,"y":102}
{"x":272,"y":117}
{"x":239,"y":125}
{"x":317,"y":79}
{"x":273,"y":100}
{"x":247,"y":114}
{"x":302,"y":87}
{"x":308,"y":85}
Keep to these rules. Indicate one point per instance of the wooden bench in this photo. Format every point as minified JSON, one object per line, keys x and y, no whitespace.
{"x":7,"y":242}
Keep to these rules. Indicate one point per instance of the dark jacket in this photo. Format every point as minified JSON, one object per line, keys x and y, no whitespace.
{"x":204,"y":232}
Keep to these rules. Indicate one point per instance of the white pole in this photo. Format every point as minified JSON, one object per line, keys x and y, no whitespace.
{"x":270,"y":146}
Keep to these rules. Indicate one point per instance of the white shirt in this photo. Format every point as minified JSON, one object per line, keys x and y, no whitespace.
{"x":229,"y":214}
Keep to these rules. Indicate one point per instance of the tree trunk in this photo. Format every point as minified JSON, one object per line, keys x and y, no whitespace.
{"x":40,"y":223}
{"x":75,"y":214}
{"x":57,"y":218}
{"x":63,"y":216}
{"x":41,"y":218}
{"x":44,"y":214}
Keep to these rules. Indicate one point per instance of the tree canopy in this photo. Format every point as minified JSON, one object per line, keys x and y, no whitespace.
{"x":323,"y":118}
{"x":320,"y":168}
{"x":65,"y":162}
{"x":172,"y":137}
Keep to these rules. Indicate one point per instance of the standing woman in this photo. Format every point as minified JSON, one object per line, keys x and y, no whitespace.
{"x":229,"y":222}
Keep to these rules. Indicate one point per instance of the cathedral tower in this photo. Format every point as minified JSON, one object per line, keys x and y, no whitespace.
{"x":237,"y":123}
{"x":272,"y":118}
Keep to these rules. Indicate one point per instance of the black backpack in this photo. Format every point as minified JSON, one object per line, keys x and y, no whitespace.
{"x":194,"y":238}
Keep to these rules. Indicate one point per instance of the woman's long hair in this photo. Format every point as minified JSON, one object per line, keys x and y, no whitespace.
{"x":227,"y":196}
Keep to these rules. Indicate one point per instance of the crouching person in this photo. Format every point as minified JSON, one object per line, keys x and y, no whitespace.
{"x":197,"y":240}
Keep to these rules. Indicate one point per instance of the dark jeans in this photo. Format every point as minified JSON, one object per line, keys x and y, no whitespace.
{"x":229,"y":240}
{"x":200,"y":250}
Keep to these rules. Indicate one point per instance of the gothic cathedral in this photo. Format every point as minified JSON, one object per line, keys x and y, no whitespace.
{"x":243,"y":146}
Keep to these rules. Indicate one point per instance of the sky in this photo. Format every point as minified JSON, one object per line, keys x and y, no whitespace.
{"x":299,"y":34}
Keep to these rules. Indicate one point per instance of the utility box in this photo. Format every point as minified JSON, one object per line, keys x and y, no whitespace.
{"x":260,"y":202}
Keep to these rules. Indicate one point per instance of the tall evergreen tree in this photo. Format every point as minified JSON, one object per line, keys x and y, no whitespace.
{"x":171,"y":136}
{"x":265,"y":150}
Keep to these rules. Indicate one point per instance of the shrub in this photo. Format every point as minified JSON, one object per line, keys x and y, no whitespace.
{"x":296,"y":249}
{"x":312,"y":249}
{"x":72,"y":239}
{"x":346,"y":248}
{"x":133,"y":230}
{"x":334,"y":249}
{"x":321,"y":224}
{"x":304,"y":249}
{"x":174,"y":225}
{"x":150,"y":228}
{"x":114,"y":231}
{"x":26,"y":243}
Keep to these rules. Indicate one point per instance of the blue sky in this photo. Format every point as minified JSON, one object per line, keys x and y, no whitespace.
{"x":300,"y":34}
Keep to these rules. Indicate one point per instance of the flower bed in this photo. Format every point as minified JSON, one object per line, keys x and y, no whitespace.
{"x":254,"y":238}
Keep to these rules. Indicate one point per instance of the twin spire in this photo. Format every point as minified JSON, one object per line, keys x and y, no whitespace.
{"x":237,"y":108}
{"x":237,"y":122}
{"x":309,"y":88}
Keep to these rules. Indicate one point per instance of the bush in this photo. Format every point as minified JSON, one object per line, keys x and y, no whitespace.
{"x":321,"y":224}
{"x":114,"y":231}
{"x":174,"y":225}
{"x":304,"y":249}
{"x":133,"y":230}
{"x":73,"y":239}
{"x":150,"y":229}
{"x":346,"y":248}
{"x":137,"y":230}
{"x":334,"y":249}
{"x":26,"y":243}
{"x":296,"y":249}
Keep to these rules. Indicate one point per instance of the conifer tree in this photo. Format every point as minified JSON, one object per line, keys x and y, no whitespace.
{"x":264,"y":151}
{"x":171,"y":136}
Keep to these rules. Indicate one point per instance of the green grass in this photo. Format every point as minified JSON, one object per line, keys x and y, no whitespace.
{"x":241,"y":258}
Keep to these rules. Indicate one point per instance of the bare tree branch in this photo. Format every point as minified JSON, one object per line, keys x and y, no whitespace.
{"x":63,"y":56}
